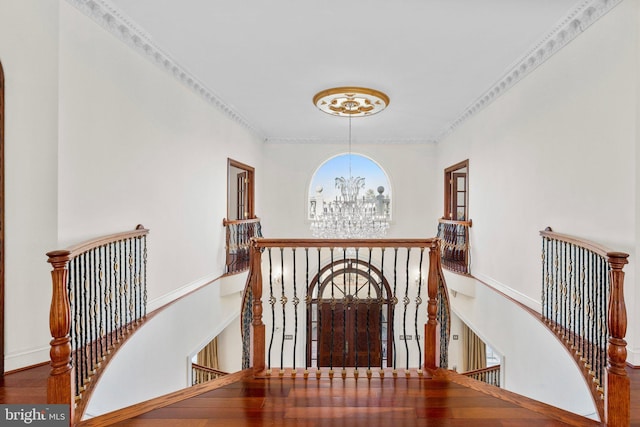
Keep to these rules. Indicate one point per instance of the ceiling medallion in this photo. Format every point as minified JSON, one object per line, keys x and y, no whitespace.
{"x":351,"y":101}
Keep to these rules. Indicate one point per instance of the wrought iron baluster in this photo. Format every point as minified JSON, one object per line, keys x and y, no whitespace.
{"x":319,"y":316}
{"x":144,"y":279}
{"x":93,"y":310}
{"x":369,"y":315}
{"x":296,"y":301}
{"x":101,"y":302}
{"x":272,"y":303}
{"x":406,"y":302}
{"x":418,"y":303}
{"x":394,"y":301}
{"x":346,"y":286}
{"x":333,"y":308}
{"x":283,"y":301}
{"x":383,"y":291}
{"x":307,"y":300}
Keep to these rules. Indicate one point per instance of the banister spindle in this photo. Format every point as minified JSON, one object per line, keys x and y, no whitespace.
{"x":430,"y":329}
{"x":258,"y":329}
{"x":617,"y":401}
{"x":61,"y":387}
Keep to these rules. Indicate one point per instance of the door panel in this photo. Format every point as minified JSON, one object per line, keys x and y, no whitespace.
{"x":356,"y":331}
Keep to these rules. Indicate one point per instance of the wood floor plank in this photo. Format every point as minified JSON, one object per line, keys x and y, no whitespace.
{"x":316,"y":403}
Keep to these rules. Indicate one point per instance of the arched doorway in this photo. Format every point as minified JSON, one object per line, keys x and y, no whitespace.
{"x":350,"y":321}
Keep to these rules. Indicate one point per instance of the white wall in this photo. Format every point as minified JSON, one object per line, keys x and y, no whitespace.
{"x":559,"y":150}
{"x":157,"y":360}
{"x":138,"y":147}
{"x":536,"y":364}
{"x":29,"y":55}
{"x":289,"y":168}
{"x":99,"y":139}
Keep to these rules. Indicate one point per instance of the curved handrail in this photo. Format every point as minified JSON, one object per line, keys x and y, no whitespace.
{"x":86,"y":277}
{"x":88,"y":245}
{"x":600,"y":348}
{"x":587,"y":244}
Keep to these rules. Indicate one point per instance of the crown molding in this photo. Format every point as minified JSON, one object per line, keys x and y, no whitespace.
{"x":123,"y":28}
{"x":337,"y":140}
{"x":567,"y":29}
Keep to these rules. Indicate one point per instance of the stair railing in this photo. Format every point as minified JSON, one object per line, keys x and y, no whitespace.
{"x":238,"y":235}
{"x":454,"y":240}
{"x":99,"y":297}
{"x":489,"y":375}
{"x":201,"y":374}
{"x":316,"y":290}
{"x":583,"y":303}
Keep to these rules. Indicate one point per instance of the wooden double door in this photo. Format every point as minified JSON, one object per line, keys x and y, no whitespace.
{"x":349,"y":333}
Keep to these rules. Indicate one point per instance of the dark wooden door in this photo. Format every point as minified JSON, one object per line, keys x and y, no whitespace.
{"x":356,"y":333}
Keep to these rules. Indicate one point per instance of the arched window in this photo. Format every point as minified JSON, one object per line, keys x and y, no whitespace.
{"x":327,"y":184}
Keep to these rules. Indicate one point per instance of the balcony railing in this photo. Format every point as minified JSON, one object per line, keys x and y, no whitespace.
{"x":238,"y":235}
{"x":490,"y":375}
{"x":338,"y":305}
{"x":454,"y":240}
{"x":99,"y":298}
{"x":583,"y":303}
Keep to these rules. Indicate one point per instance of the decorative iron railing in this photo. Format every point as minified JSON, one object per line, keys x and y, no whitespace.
{"x":238,"y":236}
{"x":338,"y":304}
{"x":201,"y":374}
{"x":583,"y":303}
{"x":454,"y":240}
{"x":99,"y":297}
{"x":490,"y":375}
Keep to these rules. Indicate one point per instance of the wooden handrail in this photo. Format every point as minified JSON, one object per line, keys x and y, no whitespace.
{"x":97,"y":342}
{"x":482,"y":370}
{"x":454,"y":222}
{"x":104,"y":240}
{"x":594,"y":247}
{"x":347,"y":243}
{"x":616,"y":408}
{"x":208,"y":369}
{"x":226,"y":222}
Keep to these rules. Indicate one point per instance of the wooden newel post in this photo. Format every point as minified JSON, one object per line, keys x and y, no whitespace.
{"x":257,"y":331}
{"x":617,"y":396}
{"x":431,"y":327}
{"x":60,"y":386}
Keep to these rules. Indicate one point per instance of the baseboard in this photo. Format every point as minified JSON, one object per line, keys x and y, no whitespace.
{"x":180,"y":292}
{"x":20,"y":360}
{"x":633,"y":358}
{"x":510,"y":292}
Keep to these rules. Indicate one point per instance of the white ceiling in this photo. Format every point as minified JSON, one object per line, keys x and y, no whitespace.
{"x":436,"y":59}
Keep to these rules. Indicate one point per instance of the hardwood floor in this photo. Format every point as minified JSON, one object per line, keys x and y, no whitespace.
{"x":376,"y":402}
{"x":283,"y":402}
{"x":28,"y":386}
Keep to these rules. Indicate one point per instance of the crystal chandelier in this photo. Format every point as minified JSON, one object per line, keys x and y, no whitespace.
{"x":350,"y":216}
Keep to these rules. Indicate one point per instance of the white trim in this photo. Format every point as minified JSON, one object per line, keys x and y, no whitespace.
{"x":568,"y":28}
{"x":123,"y":27}
{"x":510,"y":292}
{"x":180,"y":292}
{"x":25,"y":358}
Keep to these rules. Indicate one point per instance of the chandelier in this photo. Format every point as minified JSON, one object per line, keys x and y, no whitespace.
{"x":350,"y":216}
